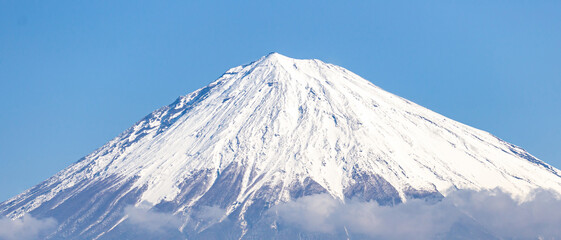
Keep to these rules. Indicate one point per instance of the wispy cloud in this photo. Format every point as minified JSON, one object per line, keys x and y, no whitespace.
{"x":495,"y":211}
{"x":209,"y":214}
{"x":151,"y":220}
{"x":147,"y":218}
{"x":26,"y":227}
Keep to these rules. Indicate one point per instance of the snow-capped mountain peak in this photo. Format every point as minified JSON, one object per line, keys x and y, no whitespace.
{"x":275,"y":130}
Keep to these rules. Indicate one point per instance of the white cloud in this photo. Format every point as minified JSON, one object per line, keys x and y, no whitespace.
{"x":506,"y":218}
{"x":145,"y":217}
{"x":26,"y":227}
{"x":210,"y":214}
{"x":496,"y":211}
{"x":313,"y":213}
{"x":150,"y":220}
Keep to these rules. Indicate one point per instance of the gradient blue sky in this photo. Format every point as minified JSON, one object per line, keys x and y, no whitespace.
{"x":75,"y":75}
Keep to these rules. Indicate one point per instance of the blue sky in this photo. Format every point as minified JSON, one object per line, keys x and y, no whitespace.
{"x":75,"y":75}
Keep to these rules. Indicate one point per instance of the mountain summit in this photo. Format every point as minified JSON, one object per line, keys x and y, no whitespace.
{"x":270,"y":132}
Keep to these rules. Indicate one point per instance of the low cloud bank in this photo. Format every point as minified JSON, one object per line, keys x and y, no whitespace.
{"x":26,"y":228}
{"x":495,"y":212}
{"x":539,"y":218}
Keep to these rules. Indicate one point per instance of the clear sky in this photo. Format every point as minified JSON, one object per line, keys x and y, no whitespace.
{"x":75,"y":75}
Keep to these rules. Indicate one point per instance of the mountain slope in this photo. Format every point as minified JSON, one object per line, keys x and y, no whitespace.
{"x":268,"y":132}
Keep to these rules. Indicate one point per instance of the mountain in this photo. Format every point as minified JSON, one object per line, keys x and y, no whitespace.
{"x":215,"y":162}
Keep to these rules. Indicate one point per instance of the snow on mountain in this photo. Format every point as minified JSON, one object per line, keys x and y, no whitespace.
{"x":271,"y":131}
